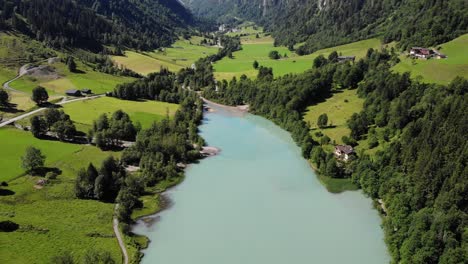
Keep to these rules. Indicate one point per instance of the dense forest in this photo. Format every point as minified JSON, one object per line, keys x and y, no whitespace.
{"x":421,"y":175}
{"x":328,"y":23}
{"x":90,"y":24}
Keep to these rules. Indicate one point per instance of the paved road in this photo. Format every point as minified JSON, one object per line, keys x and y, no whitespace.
{"x":5,"y":123}
{"x":119,"y":237}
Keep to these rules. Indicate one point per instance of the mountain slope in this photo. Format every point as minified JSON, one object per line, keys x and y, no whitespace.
{"x":91,"y":24}
{"x":325,"y":23}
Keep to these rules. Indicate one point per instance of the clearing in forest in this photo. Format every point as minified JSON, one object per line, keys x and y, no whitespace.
{"x":441,"y":71}
{"x":259,"y":49}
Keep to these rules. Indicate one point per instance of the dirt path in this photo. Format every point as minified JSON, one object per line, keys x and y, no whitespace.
{"x":119,"y":237}
{"x":9,"y":121}
{"x":23,"y":70}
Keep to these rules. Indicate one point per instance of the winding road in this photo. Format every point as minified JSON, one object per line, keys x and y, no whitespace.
{"x":119,"y":237}
{"x":14,"y":119}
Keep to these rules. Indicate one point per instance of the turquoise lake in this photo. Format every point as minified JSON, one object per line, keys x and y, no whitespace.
{"x":258,"y":201}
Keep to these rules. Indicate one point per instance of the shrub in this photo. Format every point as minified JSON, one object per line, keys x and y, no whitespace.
{"x":8,"y":226}
{"x":51,"y":175}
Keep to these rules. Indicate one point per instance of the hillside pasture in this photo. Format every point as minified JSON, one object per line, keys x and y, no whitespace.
{"x":339,"y":108}
{"x":258,"y":49}
{"x":83,"y":113}
{"x":440,"y":71}
{"x":183,"y":53}
{"x":86,"y":78}
{"x":50,"y":217}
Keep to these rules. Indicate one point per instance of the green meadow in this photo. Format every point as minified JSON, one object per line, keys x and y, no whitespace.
{"x":50,"y":218}
{"x":87,"y":78}
{"x":339,"y":108}
{"x":83,"y":113}
{"x":180,"y":55}
{"x":439,"y":71}
{"x":258,"y":49}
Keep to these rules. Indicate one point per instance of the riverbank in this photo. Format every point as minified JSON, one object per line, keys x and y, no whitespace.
{"x":240,"y":109}
{"x":257,"y":183}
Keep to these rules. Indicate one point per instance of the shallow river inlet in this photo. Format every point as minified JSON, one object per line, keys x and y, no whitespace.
{"x":258,"y":202}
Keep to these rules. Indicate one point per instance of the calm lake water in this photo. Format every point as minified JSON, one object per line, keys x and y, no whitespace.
{"x":260,"y":202}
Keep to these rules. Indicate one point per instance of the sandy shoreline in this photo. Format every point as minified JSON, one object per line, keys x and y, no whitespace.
{"x":240,"y":109}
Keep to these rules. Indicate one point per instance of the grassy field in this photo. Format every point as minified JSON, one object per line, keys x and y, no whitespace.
{"x":258,"y":49}
{"x":182,"y":54}
{"x":16,"y":50}
{"x":51,"y":220}
{"x":440,"y":71}
{"x":339,"y":108}
{"x":88,"y":78}
{"x":83,"y":113}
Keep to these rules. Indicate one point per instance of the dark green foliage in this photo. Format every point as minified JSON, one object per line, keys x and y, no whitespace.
{"x":322,"y":120}
{"x":265,"y":73}
{"x":90,"y":24}
{"x":71,"y":64}
{"x":55,"y":121}
{"x":157,"y":86}
{"x":38,"y":126}
{"x":109,"y":133}
{"x":4,"y":98}
{"x":373,"y":142}
{"x":349,"y":141}
{"x":32,"y":160}
{"x":274,"y":55}
{"x":39,"y":95}
{"x":322,"y":24}
{"x":8,"y":226}
{"x":333,"y":57}
{"x":422,"y":174}
{"x":255,"y":64}
{"x":319,"y":61}
{"x":103,"y":185}
{"x":325,"y":140}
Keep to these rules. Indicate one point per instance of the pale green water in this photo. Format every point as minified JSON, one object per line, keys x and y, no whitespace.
{"x":260,"y":202}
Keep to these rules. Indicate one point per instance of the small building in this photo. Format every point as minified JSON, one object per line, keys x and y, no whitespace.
{"x":73,"y":92}
{"x":86,"y":91}
{"x":344,"y":152}
{"x":346,"y":58}
{"x":421,"y":53}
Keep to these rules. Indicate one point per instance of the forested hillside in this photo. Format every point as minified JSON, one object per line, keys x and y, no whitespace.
{"x":326,"y":23}
{"x":91,"y":24}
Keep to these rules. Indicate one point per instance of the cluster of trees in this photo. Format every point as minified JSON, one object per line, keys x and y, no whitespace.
{"x":109,"y":132}
{"x":421,"y":174}
{"x":161,"y":86}
{"x":159,"y":148}
{"x":110,"y":183}
{"x":55,"y":121}
{"x":101,"y":184}
{"x":40,"y":95}
{"x":90,"y":24}
{"x":102,"y":62}
{"x":202,"y":74}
